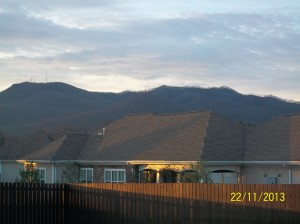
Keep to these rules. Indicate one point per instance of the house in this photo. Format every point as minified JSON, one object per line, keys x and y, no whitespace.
{"x":164,"y":148}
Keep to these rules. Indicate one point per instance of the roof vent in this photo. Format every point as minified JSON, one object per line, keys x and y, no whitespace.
{"x":101,"y":133}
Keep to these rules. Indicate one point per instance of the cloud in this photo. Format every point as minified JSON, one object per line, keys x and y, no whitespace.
{"x":143,"y":44}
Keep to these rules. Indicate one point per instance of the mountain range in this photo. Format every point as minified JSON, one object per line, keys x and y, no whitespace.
{"x":27,"y":107}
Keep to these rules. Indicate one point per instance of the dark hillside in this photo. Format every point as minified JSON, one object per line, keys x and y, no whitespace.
{"x":27,"y":107}
{"x":30,"y":103}
{"x":226,"y":101}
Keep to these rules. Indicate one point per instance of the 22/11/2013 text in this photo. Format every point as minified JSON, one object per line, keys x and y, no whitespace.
{"x":257,"y":197}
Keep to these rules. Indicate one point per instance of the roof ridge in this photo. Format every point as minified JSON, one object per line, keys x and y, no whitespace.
{"x":186,"y":112}
{"x":169,"y":114}
{"x":291,"y":115}
{"x":76,"y":134}
{"x":146,"y":113}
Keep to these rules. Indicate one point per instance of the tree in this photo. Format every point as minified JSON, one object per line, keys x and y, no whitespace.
{"x":70,"y":173}
{"x":30,"y":174}
{"x":197,"y":174}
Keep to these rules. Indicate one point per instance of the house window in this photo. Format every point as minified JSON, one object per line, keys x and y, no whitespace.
{"x":42,"y":175}
{"x":86,"y":175}
{"x":114,"y":175}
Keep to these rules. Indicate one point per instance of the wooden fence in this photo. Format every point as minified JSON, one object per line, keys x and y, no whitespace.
{"x":183,"y":203}
{"x":149,"y":203}
{"x":31,"y":203}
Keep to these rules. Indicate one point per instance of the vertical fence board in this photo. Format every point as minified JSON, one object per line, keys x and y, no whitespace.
{"x":148,"y":203}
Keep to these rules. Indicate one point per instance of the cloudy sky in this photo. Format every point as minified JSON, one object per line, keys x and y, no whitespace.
{"x":252,"y":46}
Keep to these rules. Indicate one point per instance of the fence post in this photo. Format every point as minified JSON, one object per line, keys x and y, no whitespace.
{"x":12,"y":202}
{"x":66,"y":206}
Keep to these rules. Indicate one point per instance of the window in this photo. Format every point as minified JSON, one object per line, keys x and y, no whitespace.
{"x":86,"y":175}
{"x":114,"y":175}
{"x":42,"y":175}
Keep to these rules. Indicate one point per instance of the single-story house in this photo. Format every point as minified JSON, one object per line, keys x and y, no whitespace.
{"x":163,"y":148}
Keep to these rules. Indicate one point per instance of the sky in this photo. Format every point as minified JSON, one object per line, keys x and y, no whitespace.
{"x":252,"y":46}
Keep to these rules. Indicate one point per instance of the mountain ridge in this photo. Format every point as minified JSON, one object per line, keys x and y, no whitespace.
{"x":26,"y":107}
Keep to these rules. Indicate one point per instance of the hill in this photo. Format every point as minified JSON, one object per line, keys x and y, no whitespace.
{"x":27,"y":107}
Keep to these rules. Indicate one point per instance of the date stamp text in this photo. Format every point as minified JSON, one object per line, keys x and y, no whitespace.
{"x":237,"y":197}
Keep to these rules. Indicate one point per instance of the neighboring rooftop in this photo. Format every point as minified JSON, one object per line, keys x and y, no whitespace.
{"x":169,"y":137}
{"x":275,"y":140}
{"x":152,"y":137}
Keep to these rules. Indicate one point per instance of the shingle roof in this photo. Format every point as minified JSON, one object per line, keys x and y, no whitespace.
{"x":17,"y":148}
{"x":186,"y":136}
{"x":275,"y":140}
{"x":172,"y":137}
{"x":38,"y":145}
{"x":47,"y":152}
{"x":71,"y":147}
{"x":224,"y":140}
{"x":294,"y":138}
{"x":151,"y":137}
{"x":67,"y":147}
{"x":269,"y":141}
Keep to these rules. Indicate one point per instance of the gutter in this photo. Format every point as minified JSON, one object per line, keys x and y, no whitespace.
{"x":162,"y":162}
{"x":95,"y":162}
{"x":282,"y":163}
{"x":217,"y":163}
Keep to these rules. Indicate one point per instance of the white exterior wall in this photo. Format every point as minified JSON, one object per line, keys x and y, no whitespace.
{"x":249,"y":174}
{"x":59,"y":170}
{"x":295,"y":175}
{"x":11,"y":171}
{"x":259,"y":174}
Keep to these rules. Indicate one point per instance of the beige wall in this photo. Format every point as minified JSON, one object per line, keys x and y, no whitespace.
{"x":59,"y":169}
{"x":295,"y":175}
{"x":254,"y":174}
{"x":248,"y":174}
{"x":258,"y":175}
{"x":10,"y":171}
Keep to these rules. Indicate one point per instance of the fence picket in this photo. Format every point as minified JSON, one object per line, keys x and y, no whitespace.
{"x":148,"y":203}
